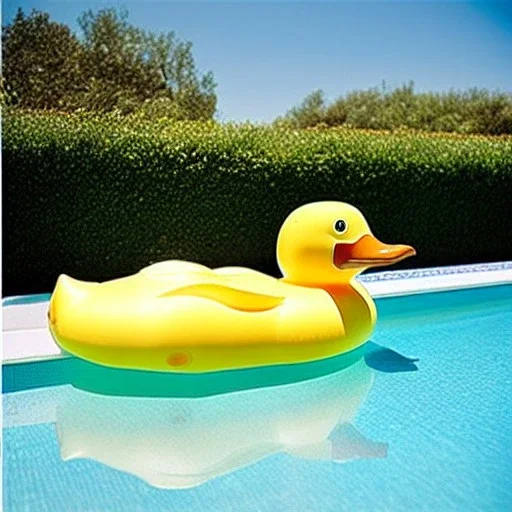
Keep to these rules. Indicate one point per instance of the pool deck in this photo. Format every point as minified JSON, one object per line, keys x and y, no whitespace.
{"x":26,"y":337}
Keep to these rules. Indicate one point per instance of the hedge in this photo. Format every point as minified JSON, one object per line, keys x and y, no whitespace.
{"x":98,"y":198}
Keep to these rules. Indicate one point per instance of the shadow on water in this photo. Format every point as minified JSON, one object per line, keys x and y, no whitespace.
{"x":388,"y":361}
{"x":121,"y":382}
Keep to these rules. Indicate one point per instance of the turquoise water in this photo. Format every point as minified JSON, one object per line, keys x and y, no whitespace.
{"x":27,"y":299}
{"x":372,"y":430}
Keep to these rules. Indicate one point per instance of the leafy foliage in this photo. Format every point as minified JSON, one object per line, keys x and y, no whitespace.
{"x":472,"y":111}
{"x":113,"y":66}
{"x":41,"y":61}
{"x":102,"y":196}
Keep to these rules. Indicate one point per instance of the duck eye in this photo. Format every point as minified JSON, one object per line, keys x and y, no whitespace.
{"x":340,"y":226}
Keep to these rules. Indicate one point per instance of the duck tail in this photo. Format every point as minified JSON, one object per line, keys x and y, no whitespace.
{"x":68,"y":293}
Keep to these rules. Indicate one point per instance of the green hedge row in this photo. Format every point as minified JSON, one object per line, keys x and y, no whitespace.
{"x":98,"y":198}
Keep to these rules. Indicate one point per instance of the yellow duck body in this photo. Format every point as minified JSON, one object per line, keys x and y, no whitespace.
{"x":184,"y":317}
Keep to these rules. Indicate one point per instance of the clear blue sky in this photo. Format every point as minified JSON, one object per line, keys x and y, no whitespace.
{"x":267,"y":56}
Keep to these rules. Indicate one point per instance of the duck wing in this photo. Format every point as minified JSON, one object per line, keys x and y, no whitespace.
{"x":232,"y":297}
{"x":235,"y":287}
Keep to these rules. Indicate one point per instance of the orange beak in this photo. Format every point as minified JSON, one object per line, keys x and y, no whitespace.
{"x":368,"y":251}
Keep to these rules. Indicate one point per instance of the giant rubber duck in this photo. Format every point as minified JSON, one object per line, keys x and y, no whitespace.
{"x":184,"y":317}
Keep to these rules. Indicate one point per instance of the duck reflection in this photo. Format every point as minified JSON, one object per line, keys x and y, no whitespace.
{"x":178,"y":443}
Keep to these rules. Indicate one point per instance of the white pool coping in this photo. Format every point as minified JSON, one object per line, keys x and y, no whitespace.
{"x":26,"y":337}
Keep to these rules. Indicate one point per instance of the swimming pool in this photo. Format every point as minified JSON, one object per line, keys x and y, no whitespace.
{"x":372,"y":430}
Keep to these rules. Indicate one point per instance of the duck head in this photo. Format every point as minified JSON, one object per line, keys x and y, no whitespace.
{"x":330,"y":242}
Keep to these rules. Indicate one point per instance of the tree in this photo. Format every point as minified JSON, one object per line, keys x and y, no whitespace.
{"x":113,"y":66}
{"x":309,"y":113}
{"x":41,"y":61}
{"x":144,"y":67}
{"x":119,"y":74}
{"x":471,"y":111}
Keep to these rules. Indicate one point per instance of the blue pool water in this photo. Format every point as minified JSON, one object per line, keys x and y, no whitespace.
{"x":375,"y":430}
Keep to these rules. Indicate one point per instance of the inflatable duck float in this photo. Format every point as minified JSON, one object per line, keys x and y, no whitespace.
{"x":184,"y":317}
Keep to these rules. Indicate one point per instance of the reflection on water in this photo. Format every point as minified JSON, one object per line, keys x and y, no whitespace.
{"x":184,"y":436}
{"x":183,"y":442}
